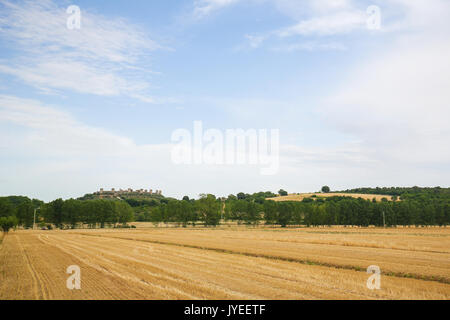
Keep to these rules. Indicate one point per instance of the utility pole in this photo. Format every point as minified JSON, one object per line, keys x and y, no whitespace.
{"x":34,"y":218}
{"x":384,"y":220}
{"x":223,"y":209}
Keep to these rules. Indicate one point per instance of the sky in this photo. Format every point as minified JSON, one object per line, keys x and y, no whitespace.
{"x":360,"y":98}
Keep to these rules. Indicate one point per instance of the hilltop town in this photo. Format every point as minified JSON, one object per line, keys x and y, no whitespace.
{"x":124,"y":194}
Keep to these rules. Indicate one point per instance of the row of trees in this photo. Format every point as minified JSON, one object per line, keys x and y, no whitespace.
{"x":91,"y":212}
{"x":69,"y":213}
{"x":309,"y":212}
{"x":206,"y":210}
{"x":17,"y":210}
{"x":405,"y":192}
{"x":418,"y":206}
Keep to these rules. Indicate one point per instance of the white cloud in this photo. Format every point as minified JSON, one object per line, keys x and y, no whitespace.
{"x":311,"y":46}
{"x":329,"y":5}
{"x":395,"y":106}
{"x":321,"y":17}
{"x":416,"y":15}
{"x":70,"y":158}
{"x":42,"y":26}
{"x":73,"y":75}
{"x":95,"y":59}
{"x":398,"y":100}
{"x":47,"y":153}
{"x":314,"y":18}
{"x":297,"y":10}
{"x":55,"y":132}
{"x":332,"y":24}
{"x":255,"y":41}
{"x":203,"y":8}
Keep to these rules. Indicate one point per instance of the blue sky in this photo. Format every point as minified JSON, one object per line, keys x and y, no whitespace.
{"x":96,"y":107}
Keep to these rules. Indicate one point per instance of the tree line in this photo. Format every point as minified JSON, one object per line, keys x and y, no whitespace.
{"x":418,"y":206}
{"x":206,"y":210}
{"x":404,"y":192}
{"x":20,"y":211}
{"x":314,"y":211}
{"x":17,"y":210}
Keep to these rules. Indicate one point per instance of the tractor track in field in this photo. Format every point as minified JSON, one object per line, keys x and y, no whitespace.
{"x":270,"y":275}
{"x":346,"y":244}
{"x":128,"y":277}
{"x":38,"y":284}
{"x":397,"y":274}
{"x":196,"y":266}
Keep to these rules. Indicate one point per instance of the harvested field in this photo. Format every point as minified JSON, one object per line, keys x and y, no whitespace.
{"x":227,"y":263}
{"x":301,"y":196}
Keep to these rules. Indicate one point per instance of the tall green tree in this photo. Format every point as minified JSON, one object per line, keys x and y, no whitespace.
{"x":209,"y":210}
{"x":284,"y":213}
{"x":270,"y":212}
{"x":6,"y":208}
{"x":7,"y":223}
{"x":72,"y":212}
{"x":124,"y":212}
{"x":25,"y":214}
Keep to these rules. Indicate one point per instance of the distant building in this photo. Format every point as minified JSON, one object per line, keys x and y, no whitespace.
{"x":128,"y":192}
